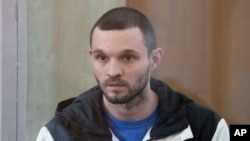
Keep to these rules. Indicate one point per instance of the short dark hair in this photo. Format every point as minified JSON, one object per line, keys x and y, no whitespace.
{"x":124,"y":18}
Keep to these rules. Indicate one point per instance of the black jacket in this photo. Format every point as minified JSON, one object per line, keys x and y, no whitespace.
{"x":82,"y":118}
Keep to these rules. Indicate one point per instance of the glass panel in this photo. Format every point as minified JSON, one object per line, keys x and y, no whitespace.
{"x":58,"y":62}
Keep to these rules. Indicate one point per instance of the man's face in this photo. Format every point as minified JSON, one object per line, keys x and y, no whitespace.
{"x":121,"y":63}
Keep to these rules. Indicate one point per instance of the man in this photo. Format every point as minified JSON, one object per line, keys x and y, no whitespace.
{"x":127,"y":104}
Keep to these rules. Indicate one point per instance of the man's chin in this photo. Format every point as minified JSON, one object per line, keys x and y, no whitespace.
{"x":116,"y":100}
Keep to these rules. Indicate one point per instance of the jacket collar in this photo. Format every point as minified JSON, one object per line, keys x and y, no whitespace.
{"x":84,"y":116}
{"x":172,"y":111}
{"x":87,"y":110}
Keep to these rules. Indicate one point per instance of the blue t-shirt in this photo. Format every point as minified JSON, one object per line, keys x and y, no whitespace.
{"x":131,"y":130}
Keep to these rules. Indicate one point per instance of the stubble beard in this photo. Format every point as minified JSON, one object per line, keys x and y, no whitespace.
{"x":132,"y":95}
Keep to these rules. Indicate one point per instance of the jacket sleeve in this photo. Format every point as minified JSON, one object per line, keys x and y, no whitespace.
{"x":44,"y":135}
{"x":222,"y":132}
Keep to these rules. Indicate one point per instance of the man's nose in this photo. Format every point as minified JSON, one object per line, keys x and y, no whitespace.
{"x":114,"y":69}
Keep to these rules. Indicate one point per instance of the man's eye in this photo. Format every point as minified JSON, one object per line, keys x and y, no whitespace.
{"x":102,"y":58}
{"x":128,"y":58}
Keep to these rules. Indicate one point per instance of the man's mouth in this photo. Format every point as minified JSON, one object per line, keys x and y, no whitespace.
{"x":115,"y":86}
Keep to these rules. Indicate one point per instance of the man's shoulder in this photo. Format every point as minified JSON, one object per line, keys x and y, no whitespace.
{"x":76,"y":107}
{"x":202,"y":120}
{"x":195,"y":112}
{"x":201,"y":112}
{"x":72,"y":112}
{"x":58,"y":129}
{"x":87,"y":96}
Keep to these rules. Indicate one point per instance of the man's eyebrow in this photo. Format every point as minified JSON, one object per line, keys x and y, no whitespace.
{"x":98,"y":51}
{"x":130,"y":51}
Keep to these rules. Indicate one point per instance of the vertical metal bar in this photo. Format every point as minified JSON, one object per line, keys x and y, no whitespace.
{"x":21,"y":69}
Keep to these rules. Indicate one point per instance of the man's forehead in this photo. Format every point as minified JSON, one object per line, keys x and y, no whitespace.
{"x":118,"y":41}
{"x":98,"y":31}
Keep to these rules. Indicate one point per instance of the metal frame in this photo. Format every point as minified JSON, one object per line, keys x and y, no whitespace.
{"x":13,"y":70}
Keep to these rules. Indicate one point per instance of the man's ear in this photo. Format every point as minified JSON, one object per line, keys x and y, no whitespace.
{"x":156,"y":57}
{"x":90,"y":52}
